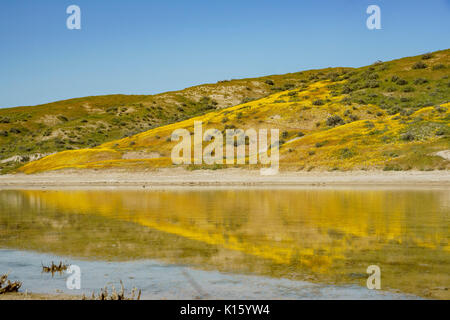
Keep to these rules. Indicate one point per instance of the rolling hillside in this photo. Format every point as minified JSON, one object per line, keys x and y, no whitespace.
{"x":28,"y":133}
{"x":390,"y":115}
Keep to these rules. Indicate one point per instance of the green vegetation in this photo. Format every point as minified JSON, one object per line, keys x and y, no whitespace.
{"x":91,"y":121}
{"x":398,"y":101}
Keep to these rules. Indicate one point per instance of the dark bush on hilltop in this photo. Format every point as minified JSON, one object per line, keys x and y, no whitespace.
{"x":427,"y":56}
{"x":334,"y":121}
{"x":419,"y":65}
{"x":269,"y":82}
{"x":333,"y":76}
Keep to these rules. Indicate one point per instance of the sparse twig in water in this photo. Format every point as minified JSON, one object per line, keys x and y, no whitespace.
{"x":55,"y":268}
{"x":8,"y":286}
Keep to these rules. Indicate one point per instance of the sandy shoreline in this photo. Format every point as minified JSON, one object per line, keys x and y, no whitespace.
{"x":227,"y":177}
{"x":38,"y":296}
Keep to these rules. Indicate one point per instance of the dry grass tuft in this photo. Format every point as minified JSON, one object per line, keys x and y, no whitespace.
{"x":114,"y":295}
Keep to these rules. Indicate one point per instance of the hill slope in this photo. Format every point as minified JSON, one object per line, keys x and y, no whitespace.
{"x":393,"y":115}
{"x":27,"y":133}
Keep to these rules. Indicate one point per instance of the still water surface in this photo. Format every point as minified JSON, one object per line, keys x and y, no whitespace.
{"x":321,"y":236}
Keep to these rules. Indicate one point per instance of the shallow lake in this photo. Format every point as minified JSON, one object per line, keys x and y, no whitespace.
{"x":232,"y":243}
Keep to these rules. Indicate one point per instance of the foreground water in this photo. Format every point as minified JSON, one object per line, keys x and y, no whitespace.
{"x":249,"y":243}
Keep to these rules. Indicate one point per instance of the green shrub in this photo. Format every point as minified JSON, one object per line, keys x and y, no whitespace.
{"x":289,"y":86}
{"x":247,"y":99}
{"x":25,"y":159}
{"x":408,"y":136}
{"x":320,"y":144}
{"x":394,"y":110}
{"x":419,"y":65}
{"x":372,"y":84}
{"x":62,"y":118}
{"x":394,"y":78}
{"x":438,"y":66}
{"x":369,"y":124}
{"x":346,"y":153}
{"x":269,"y":82}
{"x":15,"y":130}
{"x":334,"y":121}
{"x":420,"y":81}
{"x":391,"y":89}
{"x":346,"y":90}
{"x":318,"y":102}
{"x":440,"y":109}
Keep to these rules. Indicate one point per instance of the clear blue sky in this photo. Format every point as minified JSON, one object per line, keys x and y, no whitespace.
{"x":147,"y":46}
